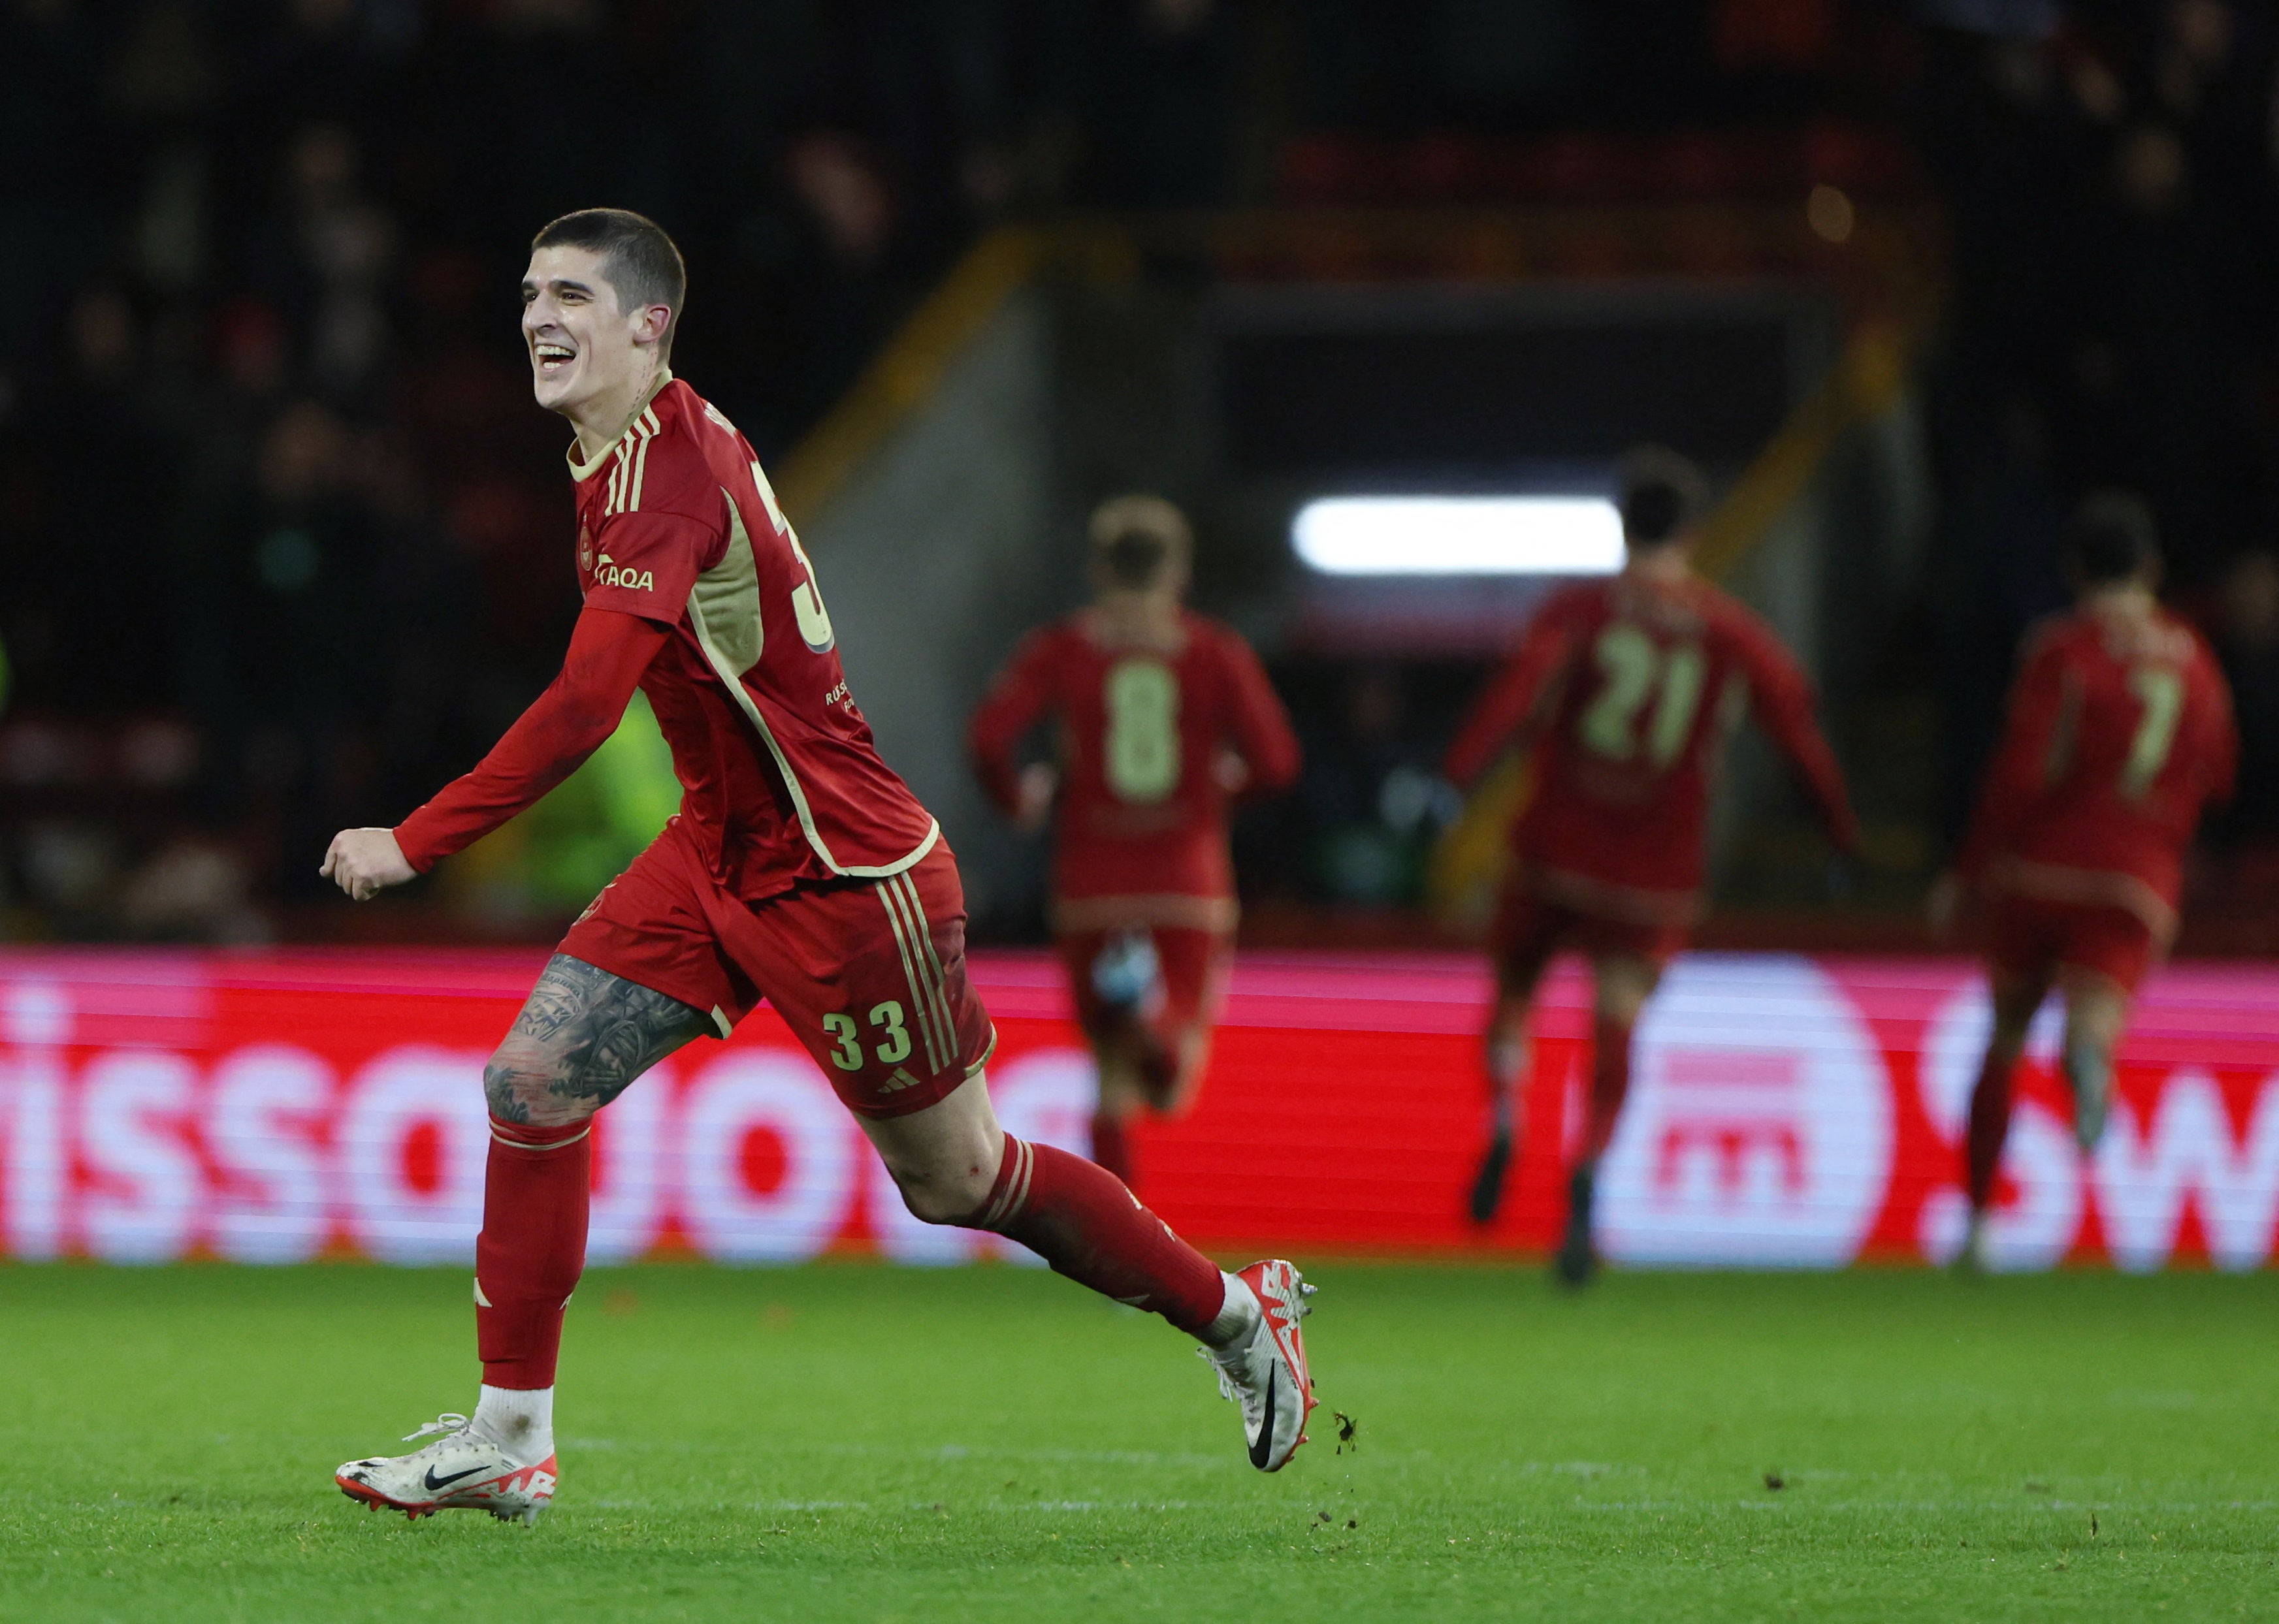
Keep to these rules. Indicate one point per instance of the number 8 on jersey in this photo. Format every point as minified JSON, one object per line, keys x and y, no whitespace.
{"x":1142,"y":746}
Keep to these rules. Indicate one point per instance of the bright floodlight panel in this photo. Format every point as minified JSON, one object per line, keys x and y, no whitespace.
{"x":1460,"y":535}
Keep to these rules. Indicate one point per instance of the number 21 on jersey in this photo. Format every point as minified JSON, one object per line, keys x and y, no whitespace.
{"x":1638,"y":672}
{"x":1142,"y":750}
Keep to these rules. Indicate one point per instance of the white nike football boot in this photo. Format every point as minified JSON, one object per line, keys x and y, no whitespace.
{"x":461,"y":1471}
{"x":1265,"y":1372}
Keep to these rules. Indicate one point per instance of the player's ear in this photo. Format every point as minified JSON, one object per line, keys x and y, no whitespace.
{"x":653,"y":324}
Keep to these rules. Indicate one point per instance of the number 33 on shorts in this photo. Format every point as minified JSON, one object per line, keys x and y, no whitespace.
{"x":872,"y":979}
{"x":891,"y":1045}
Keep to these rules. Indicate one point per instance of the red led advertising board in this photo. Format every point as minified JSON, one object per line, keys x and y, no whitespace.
{"x":1786,"y":1112}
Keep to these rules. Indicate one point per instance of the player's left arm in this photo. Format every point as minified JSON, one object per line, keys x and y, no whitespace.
{"x":642,"y":566}
{"x":583,"y":705}
{"x":1781,"y":695}
{"x":1265,"y":742}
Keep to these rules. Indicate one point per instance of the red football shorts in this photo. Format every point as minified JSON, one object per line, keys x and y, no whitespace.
{"x":1193,"y":965}
{"x":870,"y":974}
{"x":2037,"y":939}
{"x":1529,"y":928}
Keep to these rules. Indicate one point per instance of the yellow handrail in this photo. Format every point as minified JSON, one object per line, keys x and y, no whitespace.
{"x":906,"y":372}
{"x":1866,"y":382}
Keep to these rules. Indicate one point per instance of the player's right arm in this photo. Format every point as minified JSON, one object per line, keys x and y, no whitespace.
{"x":1519,"y":691}
{"x":1015,"y":702}
{"x":608,"y":651}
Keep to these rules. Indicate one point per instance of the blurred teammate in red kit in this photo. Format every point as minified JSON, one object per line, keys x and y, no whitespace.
{"x":1161,"y":718}
{"x":1626,"y":689}
{"x":2120,"y":731}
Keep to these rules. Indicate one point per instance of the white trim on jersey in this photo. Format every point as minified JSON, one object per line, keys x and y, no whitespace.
{"x":734,"y":682}
{"x":624,"y":493}
{"x":640,"y":467}
{"x":579,"y":472}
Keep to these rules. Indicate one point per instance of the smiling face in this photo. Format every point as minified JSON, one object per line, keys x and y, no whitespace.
{"x":590,"y":359}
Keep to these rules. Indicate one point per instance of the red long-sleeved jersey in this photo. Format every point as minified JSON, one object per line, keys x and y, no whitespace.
{"x":679,"y":539}
{"x":1628,"y":689}
{"x":581,"y":709}
{"x":1141,"y":825}
{"x":2119,"y":732}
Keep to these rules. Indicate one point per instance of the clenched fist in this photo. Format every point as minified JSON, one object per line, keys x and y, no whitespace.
{"x":363,"y":861}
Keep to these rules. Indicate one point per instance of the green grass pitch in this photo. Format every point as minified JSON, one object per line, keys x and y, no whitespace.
{"x":849,"y":1440}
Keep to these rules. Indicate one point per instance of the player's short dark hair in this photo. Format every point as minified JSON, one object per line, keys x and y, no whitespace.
{"x":637,"y":254}
{"x":1663,"y":495}
{"x":2112,"y":536}
{"x":1135,"y":539}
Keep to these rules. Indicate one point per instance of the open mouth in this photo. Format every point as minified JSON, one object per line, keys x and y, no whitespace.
{"x":552,"y":358}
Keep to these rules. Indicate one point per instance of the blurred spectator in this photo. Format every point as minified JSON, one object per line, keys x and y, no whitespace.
{"x":274,"y":476}
{"x":61,"y":208}
{"x":1785,"y":34}
{"x":194,"y":890}
{"x":846,"y":198}
{"x":1372,"y":796}
{"x":85,"y":614}
{"x":269,"y":473}
{"x":1162,"y":102}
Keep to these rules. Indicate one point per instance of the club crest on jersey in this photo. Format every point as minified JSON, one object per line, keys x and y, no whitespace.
{"x":609,"y":574}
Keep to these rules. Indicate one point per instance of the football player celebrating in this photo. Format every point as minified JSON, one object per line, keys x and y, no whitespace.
{"x":1162,"y":717}
{"x":2120,"y":731}
{"x":1627,"y":689}
{"x":798,"y":869}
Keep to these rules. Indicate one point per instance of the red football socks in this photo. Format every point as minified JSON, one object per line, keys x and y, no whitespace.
{"x":1082,"y":1221}
{"x":532,"y":1248}
{"x":1610,"y":1082}
{"x":1111,"y":1146}
{"x":1990,"y":1125}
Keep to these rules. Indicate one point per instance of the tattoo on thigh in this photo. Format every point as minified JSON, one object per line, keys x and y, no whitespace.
{"x":583,"y":1036}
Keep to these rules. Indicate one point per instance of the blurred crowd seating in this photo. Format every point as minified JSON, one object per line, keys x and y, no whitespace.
{"x":283,"y":537}
{"x":1598,"y":167}
{"x":271,"y":486}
